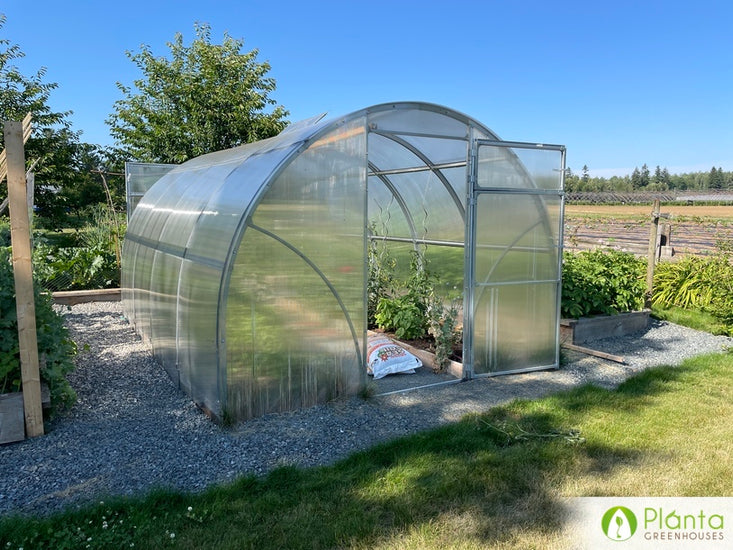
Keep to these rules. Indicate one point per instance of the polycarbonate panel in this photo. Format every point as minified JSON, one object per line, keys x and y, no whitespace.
{"x":163,"y":300}
{"x":140,"y":177}
{"x":518,"y":168}
{"x":198,"y":303}
{"x":412,"y":193}
{"x":422,"y":119}
{"x":435,"y":213}
{"x":439,"y":150}
{"x":295,"y":315}
{"x":515,"y":327}
{"x":211,"y":240}
{"x":511,"y":247}
{"x":386,"y":153}
{"x":186,"y":212}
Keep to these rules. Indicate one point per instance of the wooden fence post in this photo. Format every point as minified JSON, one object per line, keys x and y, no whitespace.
{"x":23,"y":276}
{"x":652,"y":254}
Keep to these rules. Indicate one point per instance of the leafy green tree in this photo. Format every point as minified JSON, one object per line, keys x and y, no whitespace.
{"x":52,"y":138}
{"x":572,"y":181}
{"x":206,"y":97}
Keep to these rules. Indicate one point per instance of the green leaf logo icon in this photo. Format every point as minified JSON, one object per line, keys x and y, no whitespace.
{"x":619,"y":523}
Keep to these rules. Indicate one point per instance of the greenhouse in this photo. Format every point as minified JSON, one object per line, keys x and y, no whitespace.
{"x":246,"y":270}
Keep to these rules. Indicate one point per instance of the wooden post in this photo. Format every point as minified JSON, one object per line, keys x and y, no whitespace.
{"x":23,"y":275}
{"x":652,"y":254}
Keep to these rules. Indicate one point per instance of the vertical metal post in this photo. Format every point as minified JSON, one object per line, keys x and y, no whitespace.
{"x":652,"y":254}
{"x":23,"y":276}
{"x":469,"y":260}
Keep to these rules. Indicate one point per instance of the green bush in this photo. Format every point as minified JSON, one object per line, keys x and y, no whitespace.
{"x":411,"y":309}
{"x":602,"y":282}
{"x":402,"y":316}
{"x":697,"y":283}
{"x":380,"y":280}
{"x":55,"y":348}
{"x":76,"y":268}
{"x":405,"y":310}
{"x":80,"y":260}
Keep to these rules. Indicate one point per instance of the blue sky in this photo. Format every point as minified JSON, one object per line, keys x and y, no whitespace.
{"x":618,"y":83}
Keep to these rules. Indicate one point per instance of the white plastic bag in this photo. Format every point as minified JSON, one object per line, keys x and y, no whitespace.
{"x":385,"y":357}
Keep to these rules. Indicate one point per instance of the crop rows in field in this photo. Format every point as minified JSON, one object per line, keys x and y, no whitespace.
{"x":699,"y":230}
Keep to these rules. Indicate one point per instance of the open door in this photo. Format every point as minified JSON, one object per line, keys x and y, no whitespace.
{"x":513,"y":257}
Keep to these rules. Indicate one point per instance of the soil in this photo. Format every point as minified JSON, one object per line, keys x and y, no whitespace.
{"x":696,"y":230}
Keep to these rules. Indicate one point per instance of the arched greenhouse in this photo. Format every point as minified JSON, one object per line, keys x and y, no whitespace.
{"x":246,"y":270}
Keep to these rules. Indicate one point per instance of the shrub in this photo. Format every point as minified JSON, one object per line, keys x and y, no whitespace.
{"x":380,"y":281}
{"x":77,"y":268}
{"x":402,"y":316}
{"x":602,"y":282}
{"x":697,"y":283}
{"x":55,"y":348}
{"x":412,"y":309}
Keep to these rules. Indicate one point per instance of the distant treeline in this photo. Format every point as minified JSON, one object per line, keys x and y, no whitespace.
{"x":645,"y":180}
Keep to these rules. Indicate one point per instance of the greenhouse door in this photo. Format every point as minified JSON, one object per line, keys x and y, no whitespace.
{"x":513,"y":258}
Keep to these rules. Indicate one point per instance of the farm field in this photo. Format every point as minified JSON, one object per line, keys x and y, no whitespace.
{"x":699,"y":230}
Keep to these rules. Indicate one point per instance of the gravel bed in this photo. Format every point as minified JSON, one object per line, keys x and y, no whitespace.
{"x":131,"y":430}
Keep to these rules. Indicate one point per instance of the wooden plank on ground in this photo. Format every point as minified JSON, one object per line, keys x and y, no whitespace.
{"x":12,"y":427}
{"x":595,"y":353}
{"x":23,"y":276}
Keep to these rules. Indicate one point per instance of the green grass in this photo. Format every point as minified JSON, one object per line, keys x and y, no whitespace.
{"x":692,"y":318}
{"x":489,"y":481}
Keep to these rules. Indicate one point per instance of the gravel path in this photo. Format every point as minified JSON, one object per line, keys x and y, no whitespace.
{"x":132,"y":430}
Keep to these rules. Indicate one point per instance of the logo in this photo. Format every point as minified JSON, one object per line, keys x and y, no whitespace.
{"x":619,"y":523}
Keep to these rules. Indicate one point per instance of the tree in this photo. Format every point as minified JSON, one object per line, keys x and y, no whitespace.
{"x":716,"y":178}
{"x":645,"y":176}
{"x":207,"y":97}
{"x":636,"y":179}
{"x":20,"y":95}
{"x":571,"y":181}
{"x":52,"y":138}
{"x":585,"y":177}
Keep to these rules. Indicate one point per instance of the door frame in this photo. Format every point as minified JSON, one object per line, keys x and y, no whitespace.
{"x":473,"y":191}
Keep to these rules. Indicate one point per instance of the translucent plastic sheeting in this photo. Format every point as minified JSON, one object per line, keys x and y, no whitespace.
{"x":516,"y":283}
{"x":295,"y":308}
{"x":139,"y":177}
{"x":515,"y":258}
{"x":178,"y":243}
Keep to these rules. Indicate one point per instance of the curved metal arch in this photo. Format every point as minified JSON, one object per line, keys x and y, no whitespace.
{"x":398,"y":197}
{"x":323,"y":277}
{"x":430,"y":165}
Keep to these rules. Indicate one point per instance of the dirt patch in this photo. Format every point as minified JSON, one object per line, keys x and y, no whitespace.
{"x":622,"y":210}
{"x":696,"y":230}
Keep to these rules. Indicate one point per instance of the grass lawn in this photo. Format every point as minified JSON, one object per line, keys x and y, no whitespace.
{"x":699,"y":320}
{"x":490,"y":481}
